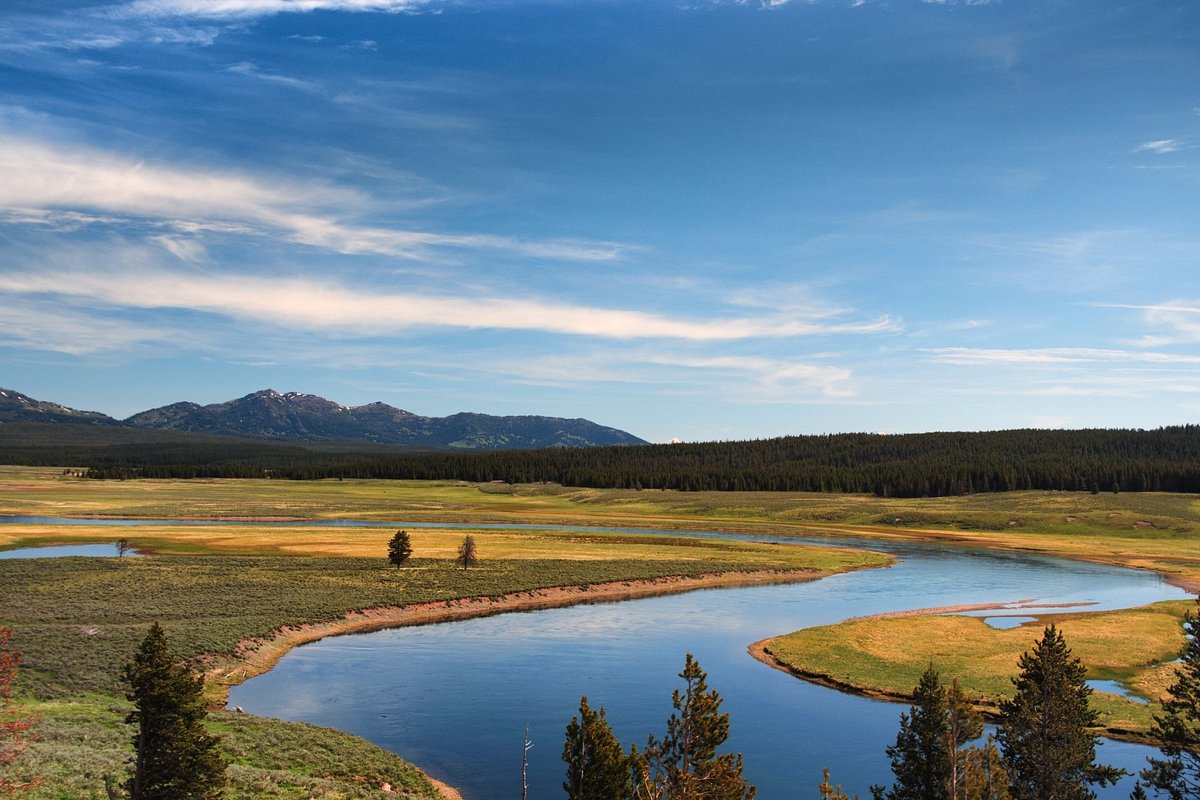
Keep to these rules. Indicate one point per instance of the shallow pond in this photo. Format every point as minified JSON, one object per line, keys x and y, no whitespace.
{"x":65,"y":550}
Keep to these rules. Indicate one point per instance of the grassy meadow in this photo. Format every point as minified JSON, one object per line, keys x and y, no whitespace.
{"x":1156,"y":531}
{"x":886,"y":656}
{"x":77,"y":621}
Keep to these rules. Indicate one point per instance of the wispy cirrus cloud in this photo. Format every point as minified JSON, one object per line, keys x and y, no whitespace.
{"x":757,"y":379}
{"x":243,"y":9}
{"x":1039,"y":356}
{"x":1181,"y":317}
{"x":325,"y":305}
{"x":49,"y":326}
{"x":47,"y":179}
{"x":1161,"y":146}
{"x":252,"y":71}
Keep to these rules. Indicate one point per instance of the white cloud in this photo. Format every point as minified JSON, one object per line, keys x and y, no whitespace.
{"x":323,"y":305}
{"x":50,"y":326}
{"x":241,"y":9}
{"x":966,"y":356}
{"x":1160,"y":146}
{"x":831,"y":381}
{"x":1181,"y":317}
{"x":752,"y":379}
{"x":183,"y":249}
{"x":252,"y":71}
{"x":42,"y":178}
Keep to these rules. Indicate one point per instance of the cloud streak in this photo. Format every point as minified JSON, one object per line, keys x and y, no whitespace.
{"x":1048,"y":356}
{"x":1161,"y":146}
{"x":248,"y":9}
{"x":44,"y":178}
{"x":308,"y":305}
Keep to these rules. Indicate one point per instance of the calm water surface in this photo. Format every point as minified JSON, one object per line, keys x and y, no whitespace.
{"x":455,"y":698}
{"x":65,"y":550}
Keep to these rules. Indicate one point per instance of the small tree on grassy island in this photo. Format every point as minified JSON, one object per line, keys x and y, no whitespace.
{"x":13,"y":727}
{"x":1048,"y":750}
{"x":176,"y":759}
{"x":921,"y":757}
{"x":399,"y":548}
{"x":467,"y":555}
{"x":597,"y":766}
{"x":685,"y":765}
{"x":1177,"y":729}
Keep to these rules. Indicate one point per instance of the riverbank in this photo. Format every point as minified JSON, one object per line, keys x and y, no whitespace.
{"x":882,"y":656}
{"x":1150,"y":531}
{"x":256,"y":656}
{"x":78,"y":620}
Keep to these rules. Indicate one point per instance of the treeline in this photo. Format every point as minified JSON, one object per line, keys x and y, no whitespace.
{"x":910,"y":465}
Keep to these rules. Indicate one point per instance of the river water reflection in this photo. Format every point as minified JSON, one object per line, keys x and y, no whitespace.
{"x":455,"y":698}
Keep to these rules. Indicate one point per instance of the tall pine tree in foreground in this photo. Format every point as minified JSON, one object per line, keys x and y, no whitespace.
{"x":1177,"y":729}
{"x":685,"y":764}
{"x":597,"y":766}
{"x":927,"y":758}
{"x":1048,"y":748}
{"x":921,"y":758}
{"x":176,"y":759}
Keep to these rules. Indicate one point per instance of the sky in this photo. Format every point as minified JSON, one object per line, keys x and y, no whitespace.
{"x":698,"y":219}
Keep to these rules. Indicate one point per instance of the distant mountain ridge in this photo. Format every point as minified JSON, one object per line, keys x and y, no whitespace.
{"x":295,"y":416}
{"x":16,"y":407}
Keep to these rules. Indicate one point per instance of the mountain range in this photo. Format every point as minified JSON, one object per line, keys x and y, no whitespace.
{"x":299,"y":417}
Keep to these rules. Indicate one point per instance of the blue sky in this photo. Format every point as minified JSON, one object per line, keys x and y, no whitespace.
{"x":695,"y":219}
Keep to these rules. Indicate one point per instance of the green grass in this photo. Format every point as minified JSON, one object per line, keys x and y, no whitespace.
{"x":886,"y":656}
{"x":1155,"y":531}
{"x":81,"y":743}
{"x":77,"y":621}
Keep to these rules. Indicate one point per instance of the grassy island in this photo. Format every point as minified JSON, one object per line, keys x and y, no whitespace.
{"x":885,"y":656}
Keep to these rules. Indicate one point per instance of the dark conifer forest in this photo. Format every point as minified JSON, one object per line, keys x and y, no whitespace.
{"x":908,"y":465}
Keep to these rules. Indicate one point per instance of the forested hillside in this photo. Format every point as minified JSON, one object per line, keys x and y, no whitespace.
{"x":911,"y":465}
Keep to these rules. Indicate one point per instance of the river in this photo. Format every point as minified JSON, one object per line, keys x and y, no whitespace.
{"x":455,"y":698}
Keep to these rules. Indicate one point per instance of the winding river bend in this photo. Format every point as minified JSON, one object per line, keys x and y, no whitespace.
{"x":455,"y":697}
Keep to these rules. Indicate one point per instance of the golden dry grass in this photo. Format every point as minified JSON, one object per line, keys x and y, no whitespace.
{"x":887,"y":655}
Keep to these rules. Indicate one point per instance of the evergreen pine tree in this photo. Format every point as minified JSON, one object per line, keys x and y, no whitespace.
{"x":176,"y":759}
{"x":1048,"y":750}
{"x":399,"y":548}
{"x":1177,"y":729}
{"x":921,"y":757}
{"x":467,"y":554}
{"x":597,"y":766}
{"x":685,"y":764}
